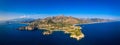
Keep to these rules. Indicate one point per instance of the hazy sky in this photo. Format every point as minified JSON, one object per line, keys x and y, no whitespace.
{"x":10,"y":9}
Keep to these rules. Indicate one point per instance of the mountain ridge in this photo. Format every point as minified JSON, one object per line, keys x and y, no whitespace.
{"x":60,"y":23}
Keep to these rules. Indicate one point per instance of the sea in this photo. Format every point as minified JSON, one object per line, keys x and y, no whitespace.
{"x":95,"y":34}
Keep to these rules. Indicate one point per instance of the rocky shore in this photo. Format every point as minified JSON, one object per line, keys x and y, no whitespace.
{"x":60,"y":23}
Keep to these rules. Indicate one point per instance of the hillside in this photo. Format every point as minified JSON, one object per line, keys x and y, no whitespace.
{"x":60,"y":23}
{"x":57,"y":23}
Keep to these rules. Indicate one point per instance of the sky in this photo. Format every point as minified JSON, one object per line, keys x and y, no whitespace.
{"x":10,"y":9}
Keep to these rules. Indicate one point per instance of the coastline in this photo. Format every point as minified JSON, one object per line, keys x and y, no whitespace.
{"x":79,"y":35}
{"x":48,"y":32}
{"x":69,"y":25}
{"x":97,"y":23}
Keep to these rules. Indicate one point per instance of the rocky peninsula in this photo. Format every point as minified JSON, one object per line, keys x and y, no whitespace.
{"x":67,"y":24}
{"x":57,"y":23}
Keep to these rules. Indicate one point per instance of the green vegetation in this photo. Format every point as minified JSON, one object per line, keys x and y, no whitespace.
{"x":61,"y":23}
{"x":58,"y":23}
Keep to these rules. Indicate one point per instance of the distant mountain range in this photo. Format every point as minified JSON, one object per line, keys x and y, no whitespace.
{"x":70,"y":19}
{"x":93,"y":20}
{"x":20,"y":20}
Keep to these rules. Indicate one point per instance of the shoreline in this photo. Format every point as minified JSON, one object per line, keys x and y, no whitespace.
{"x":77,"y":34}
{"x":96,"y":23}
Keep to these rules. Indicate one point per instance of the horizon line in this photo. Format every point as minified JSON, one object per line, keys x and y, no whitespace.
{"x":6,"y":16}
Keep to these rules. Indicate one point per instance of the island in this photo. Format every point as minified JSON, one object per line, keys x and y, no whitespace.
{"x":67,"y":24}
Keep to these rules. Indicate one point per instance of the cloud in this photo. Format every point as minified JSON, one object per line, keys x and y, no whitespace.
{"x":24,"y":16}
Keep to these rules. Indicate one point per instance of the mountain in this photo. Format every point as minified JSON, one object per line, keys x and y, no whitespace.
{"x":93,"y":20}
{"x":21,"y":20}
{"x":57,"y":21}
{"x":61,"y":23}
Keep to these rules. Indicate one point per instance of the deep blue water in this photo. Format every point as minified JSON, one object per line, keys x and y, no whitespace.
{"x":95,"y":34}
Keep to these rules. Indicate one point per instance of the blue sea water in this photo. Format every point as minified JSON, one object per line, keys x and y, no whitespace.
{"x":95,"y":34}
